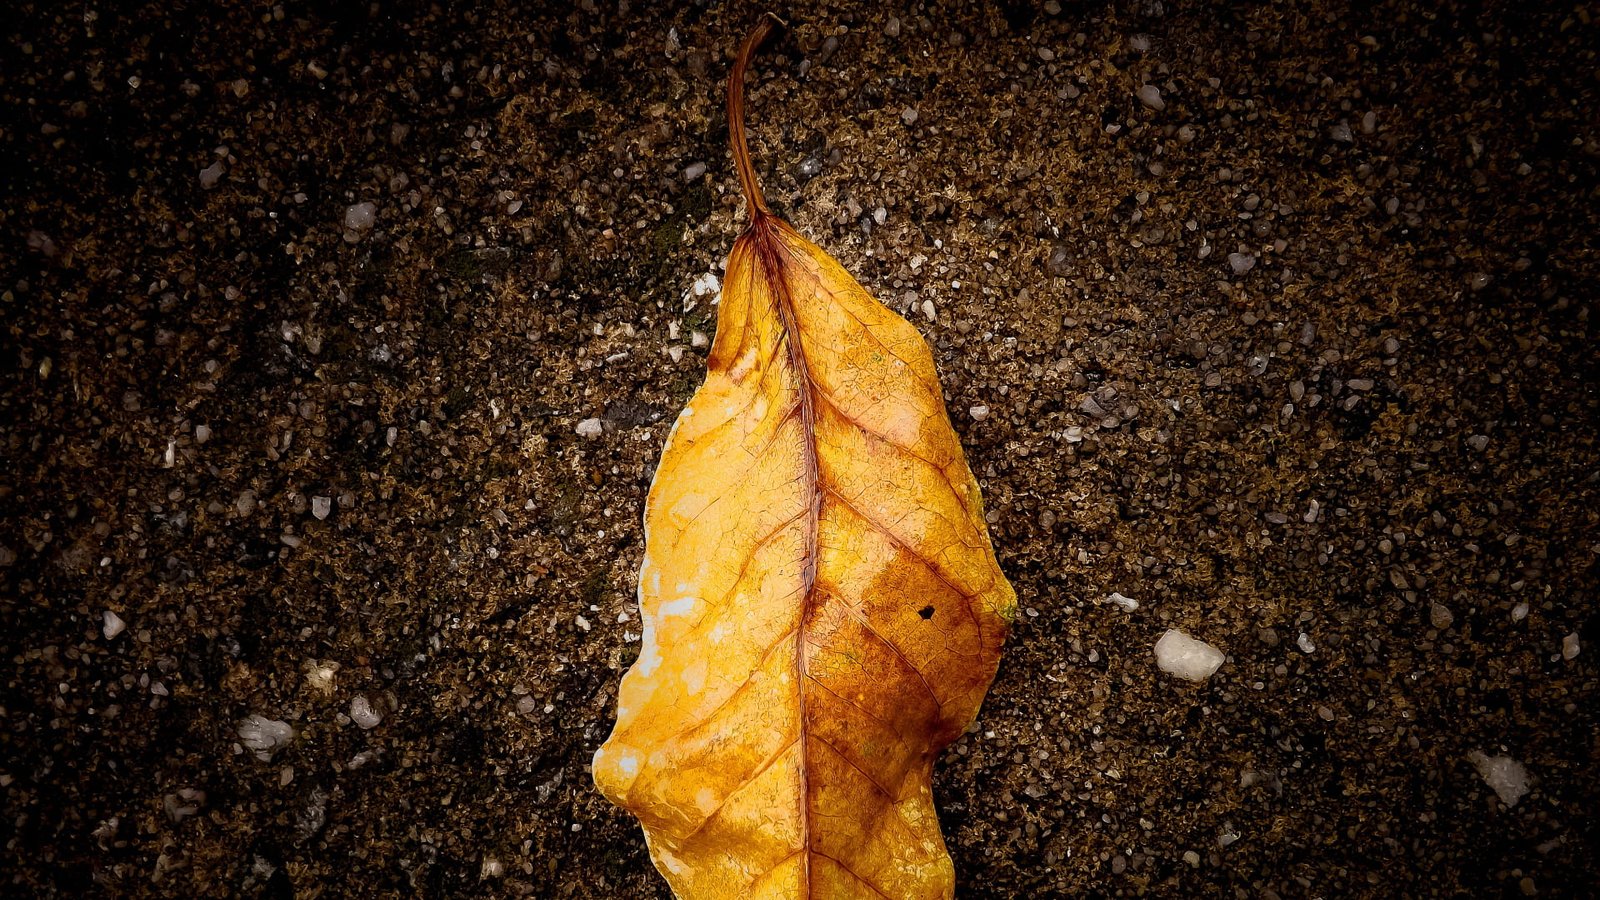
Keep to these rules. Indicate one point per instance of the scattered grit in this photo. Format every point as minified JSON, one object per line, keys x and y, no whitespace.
{"x":340,"y":341}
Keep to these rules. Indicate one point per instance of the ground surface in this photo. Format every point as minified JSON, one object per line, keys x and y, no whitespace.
{"x":1333,"y":304}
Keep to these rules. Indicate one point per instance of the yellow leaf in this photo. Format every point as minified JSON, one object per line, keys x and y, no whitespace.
{"x":822,"y":609}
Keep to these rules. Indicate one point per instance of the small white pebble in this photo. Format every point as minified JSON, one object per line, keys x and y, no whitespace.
{"x":262,"y":735}
{"x":693,"y":170}
{"x":1506,"y":776}
{"x":582,"y":623}
{"x":113,"y":625}
{"x":1181,"y":655}
{"x":698,"y":339}
{"x":360,"y":216}
{"x":202,"y":433}
{"x":705,"y":284}
{"x":1150,"y":96}
{"x":1478,"y":442}
{"x":1304,"y":643}
{"x":363,"y":714}
{"x":929,"y":312}
{"x":1192,"y":858}
{"x":908,"y":115}
{"x":1127,"y":603}
{"x":1519,"y":612}
{"x":321,"y":506}
{"x":979,"y":412}
{"x":183,"y":804}
{"x":1570,"y":646}
{"x":590,"y":428}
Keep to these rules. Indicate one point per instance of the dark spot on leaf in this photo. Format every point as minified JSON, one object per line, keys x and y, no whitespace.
{"x":926,"y":612}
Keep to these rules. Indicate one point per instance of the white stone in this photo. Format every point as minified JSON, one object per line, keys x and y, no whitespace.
{"x":321,"y":506}
{"x":210,"y":175}
{"x":979,"y":412}
{"x":113,"y":625}
{"x":363,"y":714}
{"x":183,"y":804}
{"x":590,"y":428}
{"x":262,"y":735}
{"x":1181,"y":655}
{"x":1508,"y":777}
{"x":1570,"y":646}
{"x":360,"y":216}
{"x":705,"y":284}
{"x":1127,"y":603}
{"x":1150,"y":96}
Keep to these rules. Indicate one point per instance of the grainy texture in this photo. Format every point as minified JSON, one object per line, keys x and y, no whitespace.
{"x":1279,"y":322}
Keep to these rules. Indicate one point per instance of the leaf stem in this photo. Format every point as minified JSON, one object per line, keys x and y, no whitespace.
{"x":741,"y":149}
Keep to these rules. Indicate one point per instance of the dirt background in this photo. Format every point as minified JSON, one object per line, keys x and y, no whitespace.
{"x":1307,"y":352}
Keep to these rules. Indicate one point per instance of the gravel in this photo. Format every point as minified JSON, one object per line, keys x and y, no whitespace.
{"x":441,"y":238}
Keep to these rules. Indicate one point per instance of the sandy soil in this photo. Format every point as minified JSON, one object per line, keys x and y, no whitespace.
{"x":1284,"y":321}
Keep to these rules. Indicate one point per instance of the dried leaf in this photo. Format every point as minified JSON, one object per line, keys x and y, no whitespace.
{"x":822,"y":609}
